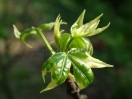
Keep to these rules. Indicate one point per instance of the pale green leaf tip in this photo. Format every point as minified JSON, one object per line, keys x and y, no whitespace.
{"x":16,"y":32}
{"x":58,"y":17}
{"x":83,"y":11}
{"x":81,"y":17}
{"x":26,"y":44}
{"x":108,"y":24}
{"x":106,"y":65}
{"x":105,"y":27}
{"x":46,"y":89}
{"x":100,"y":15}
{"x":43,"y":74}
{"x":51,"y":85}
{"x":63,"y":22}
{"x":110,"y":66}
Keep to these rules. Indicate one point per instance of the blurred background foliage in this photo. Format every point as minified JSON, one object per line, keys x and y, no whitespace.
{"x":20,"y":67}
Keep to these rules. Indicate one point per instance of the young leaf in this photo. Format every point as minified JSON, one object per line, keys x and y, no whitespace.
{"x":47,"y":26}
{"x":59,"y":66}
{"x":82,"y":43}
{"x":87,"y":28}
{"x":25,"y":33}
{"x":57,"y":33}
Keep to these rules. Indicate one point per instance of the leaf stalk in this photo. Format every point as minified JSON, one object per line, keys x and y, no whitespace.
{"x":45,"y":41}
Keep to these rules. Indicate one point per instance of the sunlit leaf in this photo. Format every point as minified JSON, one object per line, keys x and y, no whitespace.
{"x":81,"y":69}
{"x":59,"y":67}
{"x":82,"y":63}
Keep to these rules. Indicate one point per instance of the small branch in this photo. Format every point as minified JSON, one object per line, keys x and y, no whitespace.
{"x":73,"y":90}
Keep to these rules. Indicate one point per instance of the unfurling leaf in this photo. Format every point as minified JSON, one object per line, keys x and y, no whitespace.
{"x":57,"y":33}
{"x":59,"y":67}
{"x":87,"y":29}
{"x":24,"y":34}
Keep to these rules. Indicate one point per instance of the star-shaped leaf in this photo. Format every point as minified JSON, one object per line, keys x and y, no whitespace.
{"x":82,"y":63}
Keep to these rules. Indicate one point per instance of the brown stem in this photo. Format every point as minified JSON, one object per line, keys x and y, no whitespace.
{"x":73,"y":90}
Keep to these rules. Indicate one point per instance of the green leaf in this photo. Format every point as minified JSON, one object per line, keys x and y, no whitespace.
{"x":81,"y":69}
{"x":16,"y":32}
{"x":24,"y":34}
{"x":65,"y":41}
{"x":57,"y":32}
{"x":59,"y":67}
{"x":82,"y":63}
{"x":47,"y":26}
{"x":82,"y":43}
{"x":78,"y":23}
